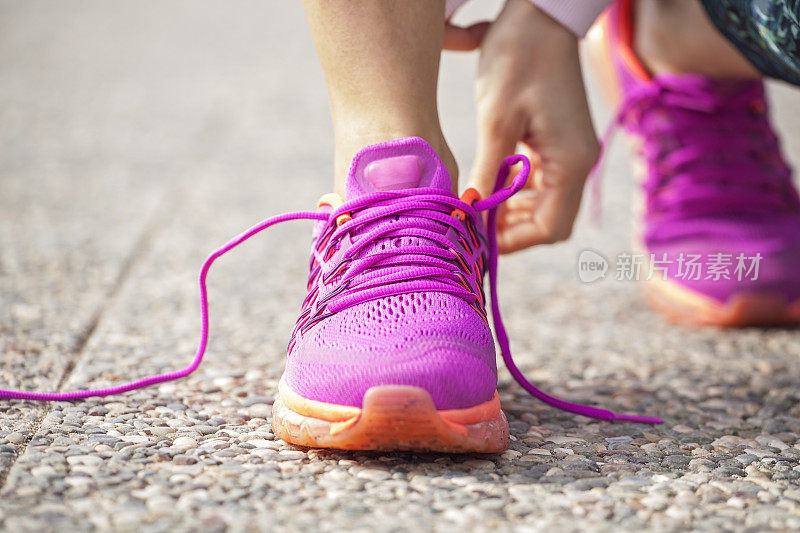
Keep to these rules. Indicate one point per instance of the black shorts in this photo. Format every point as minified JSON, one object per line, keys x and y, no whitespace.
{"x":767,"y":32}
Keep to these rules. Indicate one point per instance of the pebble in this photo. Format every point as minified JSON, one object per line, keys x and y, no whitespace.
{"x":260,"y":410}
{"x":15,"y":437}
{"x":136,"y":439}
{"x":373,"y":474}
{"x":676,"y":461}
{"x":510,"y":455}
{"x":616,"y":442}
{"x":562,"y":439}
{"x":292,"y":454}
{"x":480,"y":464}
{"x":184,"y":442}
{"x":540,"y":451}
{"x":792,"y":493}
{"x":263,"y":443}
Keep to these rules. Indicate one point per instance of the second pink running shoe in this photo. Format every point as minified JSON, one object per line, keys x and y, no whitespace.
{"x":721,"y":216}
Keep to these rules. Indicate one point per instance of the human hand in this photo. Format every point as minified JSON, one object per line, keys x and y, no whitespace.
{"x":530,"y":99}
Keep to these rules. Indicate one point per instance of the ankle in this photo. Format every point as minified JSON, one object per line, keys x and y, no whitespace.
{"x":347,"y":148}
{"x":675,"y":36}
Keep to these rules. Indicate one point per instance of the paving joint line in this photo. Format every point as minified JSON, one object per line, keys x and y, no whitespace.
{"x":140,"y":246}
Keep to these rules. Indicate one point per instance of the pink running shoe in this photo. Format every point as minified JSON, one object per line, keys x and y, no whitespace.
{"x":721,"y":215}
{"x":393,"y":349}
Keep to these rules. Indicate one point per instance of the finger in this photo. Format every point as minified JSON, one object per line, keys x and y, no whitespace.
{"x":497,"y":140}
{"x":524,"y":200}
{"x":549,"y":223}
{"x":514,"y":218}
{"x":462,"y":39}
{"x":557,"y":200}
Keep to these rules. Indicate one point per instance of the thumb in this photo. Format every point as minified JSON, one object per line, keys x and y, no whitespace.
{"x":494,"y":145}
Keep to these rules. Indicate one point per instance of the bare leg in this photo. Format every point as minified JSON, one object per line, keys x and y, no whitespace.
{"x":381,"y":65}
{"x":676,"y":36}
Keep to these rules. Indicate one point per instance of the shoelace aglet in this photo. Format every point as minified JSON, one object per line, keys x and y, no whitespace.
{"x":603,"y":414}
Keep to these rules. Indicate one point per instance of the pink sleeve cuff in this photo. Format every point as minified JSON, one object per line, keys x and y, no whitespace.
{"x":450,"y":7}
{"x":577,"y":15}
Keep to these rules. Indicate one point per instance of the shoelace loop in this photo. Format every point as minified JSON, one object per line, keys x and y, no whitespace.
{"x":501,"y":194}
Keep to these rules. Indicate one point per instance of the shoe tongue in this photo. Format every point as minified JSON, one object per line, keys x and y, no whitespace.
{"x":407,"y":163}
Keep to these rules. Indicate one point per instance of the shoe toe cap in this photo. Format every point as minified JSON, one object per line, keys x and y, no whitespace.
{"x":444,"y":348}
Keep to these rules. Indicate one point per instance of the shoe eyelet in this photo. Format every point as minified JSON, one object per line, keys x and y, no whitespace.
{"x":758,"y":106}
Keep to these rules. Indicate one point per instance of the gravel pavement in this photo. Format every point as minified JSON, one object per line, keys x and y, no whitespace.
{"x":135,"y":139}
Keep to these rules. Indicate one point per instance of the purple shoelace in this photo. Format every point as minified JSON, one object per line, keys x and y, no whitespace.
{"x":432,"y":274}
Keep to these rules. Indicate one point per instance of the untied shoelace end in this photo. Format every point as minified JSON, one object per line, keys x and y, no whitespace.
{"x":500,"y":195}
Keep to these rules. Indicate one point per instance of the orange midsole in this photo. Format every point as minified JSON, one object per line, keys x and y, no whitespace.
{"x":694,"y":299}
{"x":685,"y":295}
{"x":330,"y":412}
